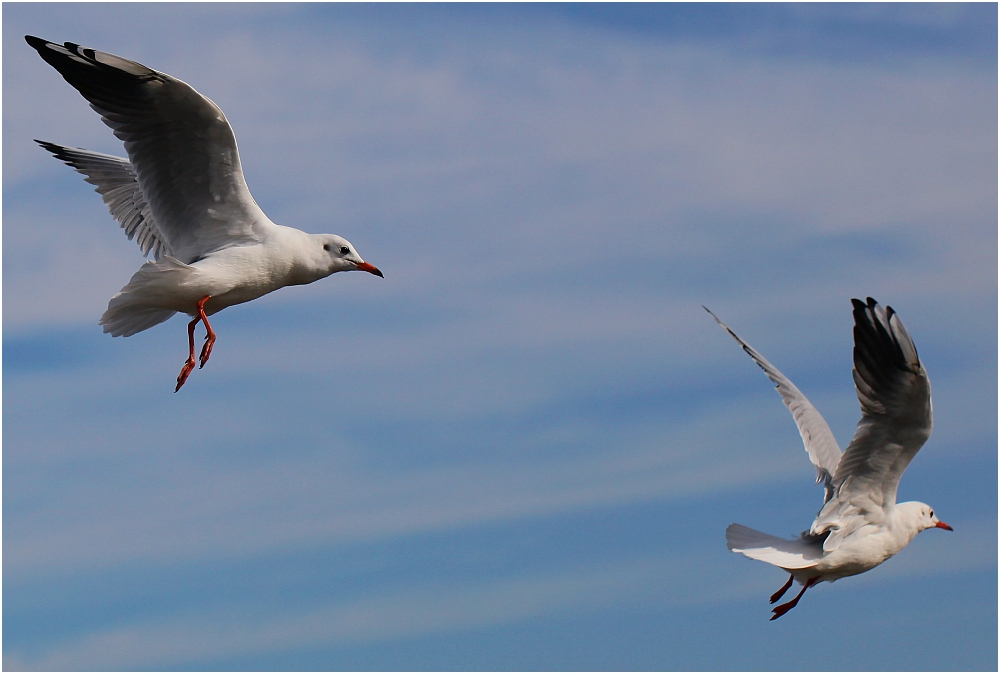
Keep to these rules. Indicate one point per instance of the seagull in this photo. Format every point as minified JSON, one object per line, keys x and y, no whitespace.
{"x":860,"y":525}
{"x":182,"y":196}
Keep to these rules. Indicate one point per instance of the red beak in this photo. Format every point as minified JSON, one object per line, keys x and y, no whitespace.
{"x":942,"y":525}
{"x":370,"y":268}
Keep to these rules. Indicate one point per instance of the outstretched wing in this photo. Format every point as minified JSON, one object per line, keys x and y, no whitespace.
{"x":895,"y":396}
{"x":822,"y":447}
{"x":896,"y":420}
{"x":116,"y":183}
{"x":179,"y":143}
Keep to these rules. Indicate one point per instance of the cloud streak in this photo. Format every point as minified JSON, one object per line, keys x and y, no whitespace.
{"x":185,"y":513}
{"x":465,"y":606}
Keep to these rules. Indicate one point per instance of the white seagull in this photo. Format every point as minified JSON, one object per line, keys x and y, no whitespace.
{"x":181,"y":194}
{"x":860,"y":525}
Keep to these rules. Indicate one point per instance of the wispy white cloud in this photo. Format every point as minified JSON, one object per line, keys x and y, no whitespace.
{"x":186,"y":510}
{"x":381,"y":617}
{"x":674,"y":580}
{"x":498,"y":161}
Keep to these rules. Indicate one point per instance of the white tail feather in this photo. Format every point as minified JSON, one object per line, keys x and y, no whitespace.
{"x":124,"y":320}
{"x":140,"y":304}
{"x":787,"y":554}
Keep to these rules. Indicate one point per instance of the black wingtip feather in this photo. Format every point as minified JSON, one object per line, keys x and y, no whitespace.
{"x":35,"y":42}
{"x":876,"y":347}
{"x":58,"y":151}
{"x":113,"y":84}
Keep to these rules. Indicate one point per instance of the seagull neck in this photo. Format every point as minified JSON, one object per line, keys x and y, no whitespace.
{"x":905,"y":522}
{"x":301,"y":254}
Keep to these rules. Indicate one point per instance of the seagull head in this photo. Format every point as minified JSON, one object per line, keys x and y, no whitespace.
{"x":340,"y":255}
{"x":925,"y":517}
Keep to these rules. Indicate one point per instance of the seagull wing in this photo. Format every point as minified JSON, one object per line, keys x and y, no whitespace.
{"x":822,"y":447}
{"x":896,"y":420}
{"x":179,"y":144}
{"x":117,"y":184}
{"x":895,"y":396}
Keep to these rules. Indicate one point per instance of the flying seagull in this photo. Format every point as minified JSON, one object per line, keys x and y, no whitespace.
{"x":182,"y":196}
{"x":860,"y":525}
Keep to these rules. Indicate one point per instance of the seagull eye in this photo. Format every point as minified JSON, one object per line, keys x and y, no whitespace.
{"x":344,"y":250}
{"x":932,"y":513}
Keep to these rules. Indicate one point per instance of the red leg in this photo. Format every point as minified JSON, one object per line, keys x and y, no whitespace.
{"x":784,"y":588}
{"x":206,"y":350}
{"x":781,"y":610}
{"x":189,"y":364}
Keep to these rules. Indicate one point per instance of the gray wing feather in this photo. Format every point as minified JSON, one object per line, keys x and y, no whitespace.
{"x":179,"y":144}
{"x":822,"y":447}
{"x":896,"y":420}
{"x":895,"y":397}
{"x":116,"y":182}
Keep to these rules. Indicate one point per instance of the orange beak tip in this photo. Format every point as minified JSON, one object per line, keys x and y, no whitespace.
{"x":370,"y":268}
{"x":942,"y":525}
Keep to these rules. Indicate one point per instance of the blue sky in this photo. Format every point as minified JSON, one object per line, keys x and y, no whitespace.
{"x":519,"y":450}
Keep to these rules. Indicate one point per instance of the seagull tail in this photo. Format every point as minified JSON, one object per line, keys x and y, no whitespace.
{"x":140,"y":304}
{"x":125,"y":320}
{"x":788,"y":554}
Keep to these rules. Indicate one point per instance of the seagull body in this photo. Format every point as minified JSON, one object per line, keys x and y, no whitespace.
{"x":860,"y":525}
{"x":181,"y":194}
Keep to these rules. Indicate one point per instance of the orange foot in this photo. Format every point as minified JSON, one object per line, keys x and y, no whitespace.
{"x":206,"y":350}
{"x":784,"y":588}
{"x":781,"y":610}
{"x":185,"y":371}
